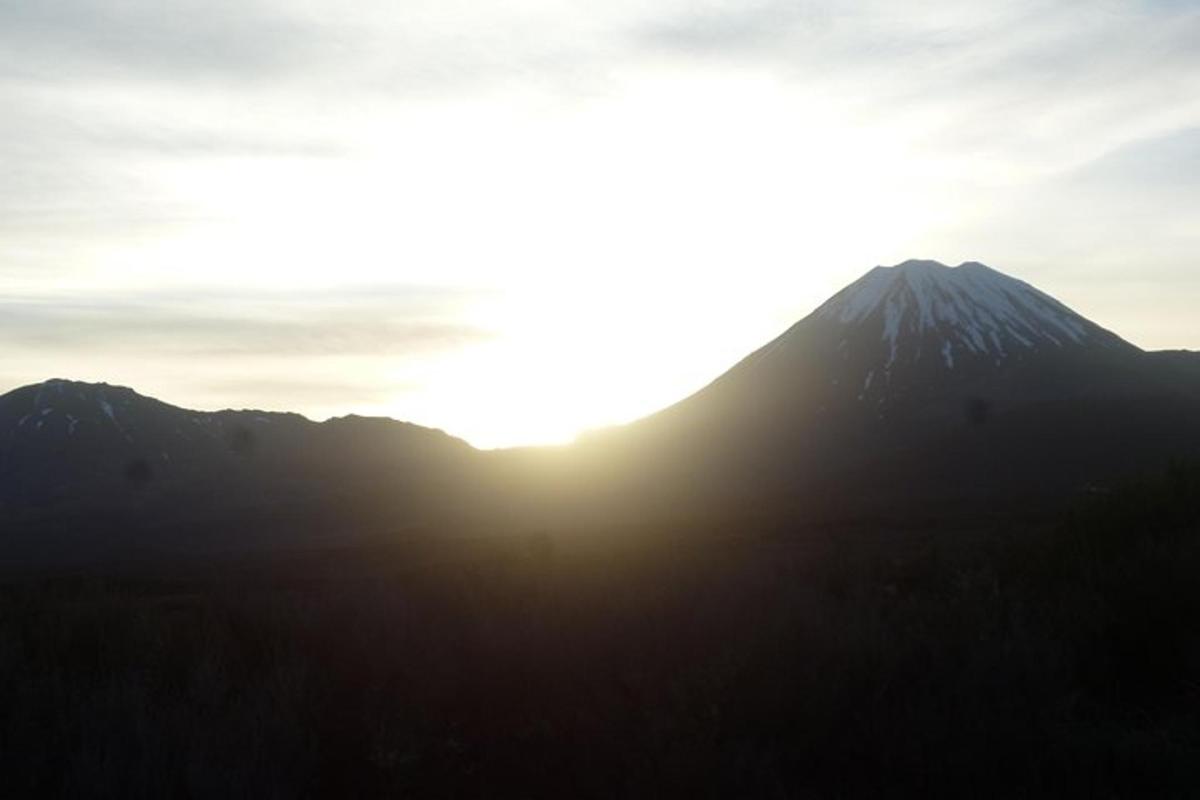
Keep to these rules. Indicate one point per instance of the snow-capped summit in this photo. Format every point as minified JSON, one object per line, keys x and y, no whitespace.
{"x":918,"y":336}
{"x":917,"y":328}
{"x":61,"y":408}
{"x":958,"y":312}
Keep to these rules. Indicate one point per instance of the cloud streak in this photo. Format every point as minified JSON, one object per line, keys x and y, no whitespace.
{"x":144,"y":40}
{"x":373,"y":322}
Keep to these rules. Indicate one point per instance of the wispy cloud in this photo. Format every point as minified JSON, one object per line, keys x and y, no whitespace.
{"x":365,"y":321}
{"x":755,"y":29}
{"x":143,"y":40}
{"x":268,"y":391}
{"x":1041,"y":85}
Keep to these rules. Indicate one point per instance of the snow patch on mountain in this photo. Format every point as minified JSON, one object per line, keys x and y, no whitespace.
{"x":973,"y":309}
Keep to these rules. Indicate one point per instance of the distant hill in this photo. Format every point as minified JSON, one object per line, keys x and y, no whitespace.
{"x":76,"y":457}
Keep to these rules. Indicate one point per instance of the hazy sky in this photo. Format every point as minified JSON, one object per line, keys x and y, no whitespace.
{"x":516,"y":220}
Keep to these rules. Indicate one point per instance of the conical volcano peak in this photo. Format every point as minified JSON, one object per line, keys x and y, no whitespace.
{"x":923,"y":279}
{"x":863,"y":297}
{"x":970,"y":310}
{"x":931,"y":265}
{"x":914,"y":326}
{"x":918,"y":265}
{"x":920,"y":269}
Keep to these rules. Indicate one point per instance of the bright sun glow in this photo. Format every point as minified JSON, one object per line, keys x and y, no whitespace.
{"x":630,"y":241}
{"x":625,"y":249}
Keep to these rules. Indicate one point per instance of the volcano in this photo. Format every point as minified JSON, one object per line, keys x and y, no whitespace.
{"x":924,"y":385}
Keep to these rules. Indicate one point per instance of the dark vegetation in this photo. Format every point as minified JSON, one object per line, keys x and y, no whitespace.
{"x":929,"y":660}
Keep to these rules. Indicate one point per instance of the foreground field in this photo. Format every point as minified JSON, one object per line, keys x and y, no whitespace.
{"x":746,"y":661}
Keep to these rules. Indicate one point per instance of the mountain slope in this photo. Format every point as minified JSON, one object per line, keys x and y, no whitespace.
{"x":921,"y":385}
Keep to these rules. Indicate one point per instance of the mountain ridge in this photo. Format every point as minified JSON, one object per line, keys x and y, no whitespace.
{"x":918,"y":386}
{"x":99,"y":390}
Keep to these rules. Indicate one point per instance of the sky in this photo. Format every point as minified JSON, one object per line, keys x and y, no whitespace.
{"x":521,"y":220}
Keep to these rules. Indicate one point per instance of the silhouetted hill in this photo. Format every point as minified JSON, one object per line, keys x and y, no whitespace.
{"x":918,"y":386}
{"x":89,"y":468}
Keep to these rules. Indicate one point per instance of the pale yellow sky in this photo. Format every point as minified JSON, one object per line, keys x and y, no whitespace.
{"x":517,"y":223}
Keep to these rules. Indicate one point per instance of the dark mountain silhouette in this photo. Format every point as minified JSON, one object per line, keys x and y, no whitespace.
{"x":76,"y":458}
{"x":918,"y":386}
{"x":918,"y":389}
